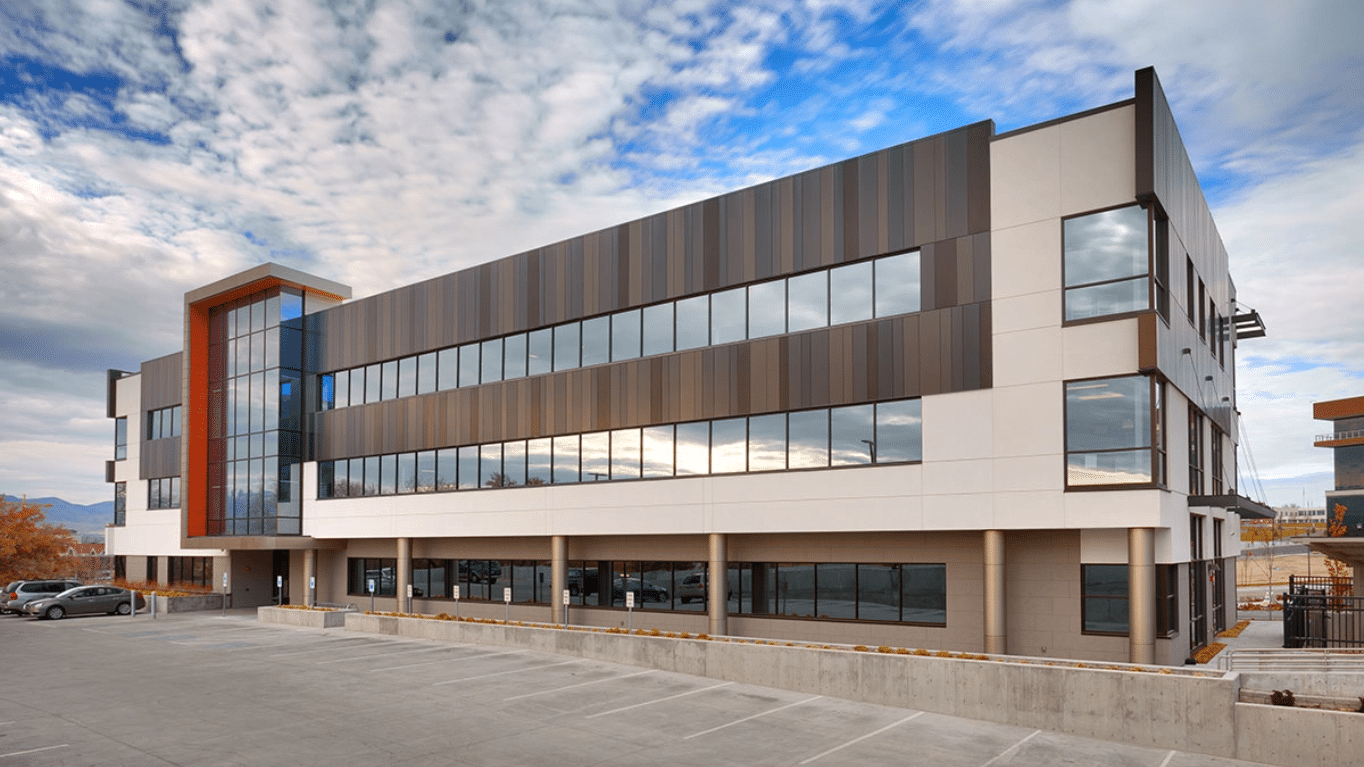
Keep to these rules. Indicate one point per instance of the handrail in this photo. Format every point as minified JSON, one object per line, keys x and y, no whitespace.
{"x":1280,"y":659}
{"x":1351,"y":434}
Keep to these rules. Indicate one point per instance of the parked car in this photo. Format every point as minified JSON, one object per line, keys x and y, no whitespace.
{"x":696,"y":586}
{"x":4,"y":594}
{"x":27,"y":591}
{"x":84,"y":600}
{"x":644,"y":591}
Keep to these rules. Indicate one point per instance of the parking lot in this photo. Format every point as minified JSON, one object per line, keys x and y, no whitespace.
{"x":200,"y":689}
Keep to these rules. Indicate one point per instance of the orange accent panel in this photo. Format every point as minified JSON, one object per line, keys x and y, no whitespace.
{"x":195,"y":429}
{"x":1331,"y":410}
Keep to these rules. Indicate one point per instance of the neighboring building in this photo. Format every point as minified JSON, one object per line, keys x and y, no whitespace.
{"x":1297,"y":515}
{"x":972,"y":392}
{"x":1346,"y":441}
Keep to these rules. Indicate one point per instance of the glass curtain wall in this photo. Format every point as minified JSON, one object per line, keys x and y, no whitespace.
{"x":255,"y":444}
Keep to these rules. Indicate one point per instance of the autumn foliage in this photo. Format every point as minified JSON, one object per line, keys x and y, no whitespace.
{"x":29,"y":548}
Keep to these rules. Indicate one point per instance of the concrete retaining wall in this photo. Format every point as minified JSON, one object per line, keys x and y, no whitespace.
{"x":1176,"y":710}
{"x":1334,"y":684}
{"x":316,"y":619}
{"x":187,"y":604}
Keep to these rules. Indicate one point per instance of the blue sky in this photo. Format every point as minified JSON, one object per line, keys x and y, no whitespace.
{"x":147,"y":148}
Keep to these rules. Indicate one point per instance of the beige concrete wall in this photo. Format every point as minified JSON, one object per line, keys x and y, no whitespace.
{"x":1195,"y":712}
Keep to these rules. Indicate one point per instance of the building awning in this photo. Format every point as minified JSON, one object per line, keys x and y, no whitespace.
{"x":1240,"y":504}
{"x":1347,"y":550}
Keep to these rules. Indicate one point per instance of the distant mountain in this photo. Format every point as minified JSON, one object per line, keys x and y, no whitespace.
{"x":83,"y":519}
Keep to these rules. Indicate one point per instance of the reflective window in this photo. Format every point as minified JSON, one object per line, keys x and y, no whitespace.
{"x":448,"y":368}
{"x":492,"y":361}
{"x":341,"y":385}
{"x":850,"y":293}
{"x":567,"y":346}
{"x":469,"y":476}
{"x":514,"y":356}
{"x":447,"y":469}
{"x":767,"y":309}
{"x":120,"y":438}
{"x":852,"y":435}
{"x":878,"y":592}
{"x":693,"y":322}
{"x":389,"y":387}
{"x":658,"y":329}
{"x":692,"y":443}
{"x":388,"y":475}
{"x":728,"y":316}
{"x":807,"y":301}
{"x":1106,"y":263}
{"x":595,"y":450}
{"x":809,"y":439}
{"x":658,"y":451}
{"x":1104,"y":599}
{"x":836,"y":589}
{"x":468,"y":365}
{"x":490,"y":466}
{"x":767,"y":442}
{"x":899,"y":431}
{"x":626,"y":335}
{"x":373,"y":383}
{"x":1108,"y":431}
{"x":924,"y":593}
{"x":426,"y":471}
{"x":514,"y":463}
{"x":539,"y":461}
{"x":566,"y":466}
{"x":896,"y":282}
{"x":596,"y":341}
{"x":540,"y":352}
{"x":625,"y":454}
{"x":371,"y":474}
{"x":426,"y":373}
{"x":728,"y":438}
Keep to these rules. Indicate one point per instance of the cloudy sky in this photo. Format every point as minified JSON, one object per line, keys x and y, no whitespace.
{"x":150,"y":147}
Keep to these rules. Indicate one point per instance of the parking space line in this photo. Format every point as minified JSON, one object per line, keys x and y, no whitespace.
{"x":1168,"y":757}
{"x":330,"y":643}
{"x":864,"y":737}
{"x":573,"y":686}
{"x":384,"y":655}
{"x":504,"y":673}
{"x":755,"y":716}
{"x":448,"y":660}
{"x":33,"y":750}
{"x":1011,"y":750}
{"x":660,"y":700}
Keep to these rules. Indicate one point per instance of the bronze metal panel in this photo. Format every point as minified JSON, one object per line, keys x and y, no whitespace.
{"x":830,"y":215}
{"x":784,"y":220}
{"x":930,"y":355}
{"x":809,"y":227}
{"x":160,"y":387}
{"x":966,"y":271}
{"x":945,"y":273}
{"x":956,"y":184}
{"x":978,"y":177}
{"x":926,"y":200}
{"x":764,"y":230}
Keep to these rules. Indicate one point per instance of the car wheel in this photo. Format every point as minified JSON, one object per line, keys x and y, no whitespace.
{"x":55,"y":612}
{"x":123,"y":608}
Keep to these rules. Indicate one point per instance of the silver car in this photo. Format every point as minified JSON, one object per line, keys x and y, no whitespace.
{"x":84,"y":600}
{"x":23,"y":592}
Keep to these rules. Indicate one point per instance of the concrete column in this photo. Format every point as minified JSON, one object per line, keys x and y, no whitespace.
{"x":558,"y":577}
{"x":404,"y":571}
{"x":309,"y":572}
{"x":717,"y":590}
{"x":996,"y":634}
{"x":1141,"y":595}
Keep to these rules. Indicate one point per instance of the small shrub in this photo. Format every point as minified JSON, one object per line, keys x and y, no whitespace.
{"x":1282,"y":698}
{"x":860,"y":648}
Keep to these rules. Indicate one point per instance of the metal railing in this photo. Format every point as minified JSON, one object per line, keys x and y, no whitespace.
{"x":1320,"y":611}
{"x":1351,"y":434}
{"x":1276,"y":659}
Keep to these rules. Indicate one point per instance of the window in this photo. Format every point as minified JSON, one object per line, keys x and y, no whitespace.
{"x":361,"y":572}
{"x":1167,"y":600}
{"x":1189,"y":288}
{"x":194,"y":571}
{"x":898,"y":593}
{"x":1195,"y":451}
{"x":1106,"y":263}
{"x":1104,"y":599}
{"x":1216,"y":438}
{"x":1202,"y":311}
{"x":1162,"y":466}
{"x":120,"y":438}
{"x":163,"y":493}
{"x":1161,"y":279}
{"x":163,"y":423}
{"x":1108,"y":431}
{"x":120,"y":504}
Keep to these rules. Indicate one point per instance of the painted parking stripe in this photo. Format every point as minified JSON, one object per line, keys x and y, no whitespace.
{"x":504,"y":673}
{"x":864,"y":737}
{"x":330,"y":645}
{"x":573,"y":686}
{"x":1168,"y":757}
{"x":381,"y":655}
{"x":1011,"y":750}
{"x":660,"y":700}
{"x":447,"y":660}
{"x":33,"y":750}
{"x":755,"y":716}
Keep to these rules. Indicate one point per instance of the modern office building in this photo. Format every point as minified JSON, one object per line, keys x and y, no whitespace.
{"x":1346,"y":440}
{"x":972,"y":392}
